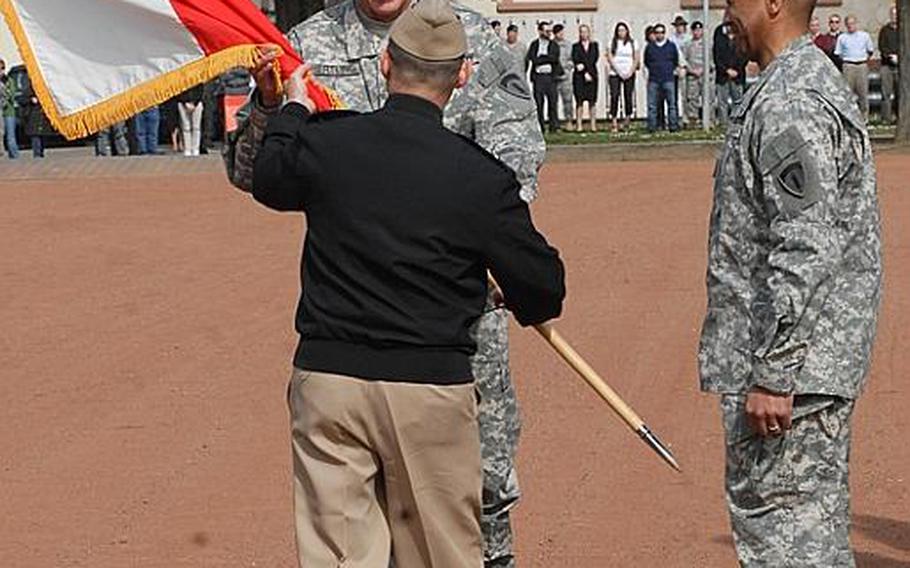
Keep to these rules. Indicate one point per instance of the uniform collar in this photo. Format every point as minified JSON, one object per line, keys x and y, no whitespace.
{"x":360,"y":42}
{"x":410,"y":104}
{"x":796,"y":46}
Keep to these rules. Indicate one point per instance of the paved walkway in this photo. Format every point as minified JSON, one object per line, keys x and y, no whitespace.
{"x":80,"y":162}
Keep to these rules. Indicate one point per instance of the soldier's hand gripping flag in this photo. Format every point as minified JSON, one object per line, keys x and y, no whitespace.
{"x":96,"y":62}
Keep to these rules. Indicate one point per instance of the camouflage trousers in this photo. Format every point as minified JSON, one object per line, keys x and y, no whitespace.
{"x":500,"y":426}
{"x":566,"y":94}
{"x":694,"y":96}
{"x":115,"y":133}
{"x":788,"y":496}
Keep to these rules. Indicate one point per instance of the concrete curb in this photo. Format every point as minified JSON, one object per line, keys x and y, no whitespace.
{"x":660,"y":151}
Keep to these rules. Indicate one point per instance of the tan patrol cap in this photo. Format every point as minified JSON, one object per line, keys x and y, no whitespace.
{"x":431,"y":31}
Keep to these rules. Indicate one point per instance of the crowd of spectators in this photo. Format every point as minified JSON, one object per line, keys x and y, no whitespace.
{"x":191,"y":121}
{"x":852,"y":49}
{"x":565,"y":76}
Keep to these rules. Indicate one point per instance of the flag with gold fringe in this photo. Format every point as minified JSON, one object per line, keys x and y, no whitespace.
{"x":96,"y":62}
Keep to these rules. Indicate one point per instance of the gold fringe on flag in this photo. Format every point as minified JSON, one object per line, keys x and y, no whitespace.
{"x":127,"y":104}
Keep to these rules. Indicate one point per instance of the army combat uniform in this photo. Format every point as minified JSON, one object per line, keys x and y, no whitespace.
{"x":794,"y":282}
{"x":494,"y":109}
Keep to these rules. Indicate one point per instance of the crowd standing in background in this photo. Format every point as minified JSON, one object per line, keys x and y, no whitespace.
{"x":199,"y":107}
{"x":564,"y":76}
{"x":675,"y":70}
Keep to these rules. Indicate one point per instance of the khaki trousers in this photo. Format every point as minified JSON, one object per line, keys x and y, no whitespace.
{"x":385,"y":470}
{"x":857,"y":75}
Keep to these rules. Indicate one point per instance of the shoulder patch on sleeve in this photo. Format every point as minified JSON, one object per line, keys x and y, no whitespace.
{"x":516,"y":85}
{"x":780,"y":148}
{"x":792,"y":179}
{"x":788,"y":163}
{"x":500,"y":69}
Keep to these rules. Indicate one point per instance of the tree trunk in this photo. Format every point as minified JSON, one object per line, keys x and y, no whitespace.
{"x":292,"y":12}
{"x":903,"y":122}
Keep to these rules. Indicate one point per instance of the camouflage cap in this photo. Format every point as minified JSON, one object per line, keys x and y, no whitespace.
{"x":430,"y":30}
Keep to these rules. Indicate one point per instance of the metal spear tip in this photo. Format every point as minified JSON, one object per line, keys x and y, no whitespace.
{"x":658,"y":447}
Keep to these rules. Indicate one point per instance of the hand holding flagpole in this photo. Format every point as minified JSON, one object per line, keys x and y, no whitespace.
{"x":629,"y":416}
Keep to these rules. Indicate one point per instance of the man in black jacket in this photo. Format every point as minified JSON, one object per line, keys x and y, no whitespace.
{"x":889,"y":46}
{"x":731,"y":71}
{"x":386,"y":445}
{"x":543,"y":61}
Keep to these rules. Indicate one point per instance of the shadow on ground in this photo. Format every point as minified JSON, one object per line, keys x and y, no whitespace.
{"x":873,"y":560}
{"x":891,"y":532}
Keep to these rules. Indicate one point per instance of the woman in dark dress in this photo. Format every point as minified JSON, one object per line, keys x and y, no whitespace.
{"x":585,"y":55}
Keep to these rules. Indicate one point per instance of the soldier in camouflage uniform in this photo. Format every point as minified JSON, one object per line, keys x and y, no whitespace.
{"x":695,"y":73}
{"x":794,"y":281}
{"x":564,"y":81}
{"x":495,"y":109}
{"x":116,"y":133}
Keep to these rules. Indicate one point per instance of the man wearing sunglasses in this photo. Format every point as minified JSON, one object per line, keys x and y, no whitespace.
{"x":828,"y":42}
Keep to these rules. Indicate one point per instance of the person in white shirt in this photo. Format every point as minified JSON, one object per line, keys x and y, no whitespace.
{"x":623,"y":61}
{"x":855,"y":47}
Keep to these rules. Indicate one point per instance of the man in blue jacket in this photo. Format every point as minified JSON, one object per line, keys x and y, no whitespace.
{"x":662,"y":61}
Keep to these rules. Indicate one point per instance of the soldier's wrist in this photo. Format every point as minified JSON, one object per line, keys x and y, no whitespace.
{"x":265,"y":106}
{"x":777,"y":381}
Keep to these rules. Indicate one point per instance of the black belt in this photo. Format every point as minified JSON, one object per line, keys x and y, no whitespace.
{"x":857,"y":62}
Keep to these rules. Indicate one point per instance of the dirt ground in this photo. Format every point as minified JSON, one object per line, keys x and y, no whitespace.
{"x":146,"y":340}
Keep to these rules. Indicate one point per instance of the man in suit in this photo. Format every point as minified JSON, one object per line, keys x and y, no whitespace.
{"x":385,"y":440}
{"x":542,"y":60}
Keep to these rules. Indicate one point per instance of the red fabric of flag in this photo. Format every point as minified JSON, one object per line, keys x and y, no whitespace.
{"x":220,"y":24}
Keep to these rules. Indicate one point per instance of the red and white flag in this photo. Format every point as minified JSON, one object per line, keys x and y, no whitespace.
{"x":95,"y":62}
